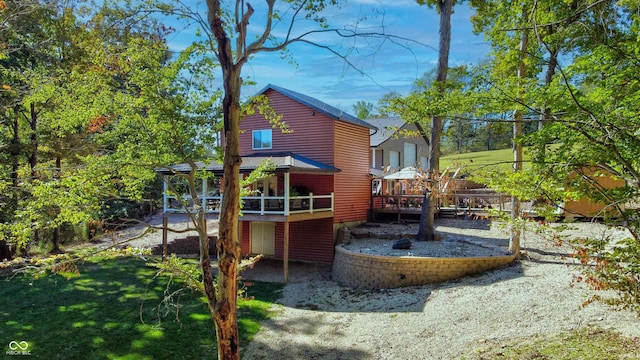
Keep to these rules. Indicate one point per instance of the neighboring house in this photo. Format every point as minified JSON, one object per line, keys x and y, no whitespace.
{"x":321,"y":182}
{"x":396,"y":144}
{"x":583,"y":208}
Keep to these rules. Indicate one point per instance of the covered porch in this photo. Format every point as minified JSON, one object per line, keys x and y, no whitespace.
{"x":298,"y":186}
{"x":283,"y":209}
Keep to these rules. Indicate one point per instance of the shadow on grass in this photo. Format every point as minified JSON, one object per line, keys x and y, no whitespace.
{"x":115,"y":309}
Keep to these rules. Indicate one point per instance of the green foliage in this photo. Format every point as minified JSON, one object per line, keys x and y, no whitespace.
{"x":363,"y":109}
{"x":118,"y":308}
{"x":586,"y":343}
{"x":612,"y":266}
{"x":588,"y":108}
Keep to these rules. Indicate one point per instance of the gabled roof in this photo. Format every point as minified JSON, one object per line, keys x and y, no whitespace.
{"x":387,"y":127}
{"x":284,"y":161}
{"x":318,"y":105}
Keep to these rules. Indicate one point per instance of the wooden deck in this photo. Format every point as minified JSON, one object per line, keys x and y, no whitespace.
{"x":409,"y":207}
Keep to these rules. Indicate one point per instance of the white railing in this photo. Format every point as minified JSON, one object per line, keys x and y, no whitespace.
{"x":263,"y":205}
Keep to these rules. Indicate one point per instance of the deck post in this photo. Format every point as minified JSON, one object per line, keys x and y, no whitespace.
{"x":204,"y":195}
{"x":286,"y":250}
{"x":286,"y":193}
{"x":164,"y":194}
{"x":165,"y":236}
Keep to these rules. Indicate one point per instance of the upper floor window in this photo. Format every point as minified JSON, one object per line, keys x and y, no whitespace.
{"x":394,"y":159}
{"x":261,"y":139}
{"x":410,"y":154}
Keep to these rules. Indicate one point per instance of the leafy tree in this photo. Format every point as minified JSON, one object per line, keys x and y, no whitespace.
{"x":363,"y":109}
{"x":233,"y":43}
{"x":67,"y":79}
{"x":384,"y":107}
{"x":222,"y":297}
{"x":444,"y":8}
{"x":589,"y":109}
{"x":31,"y":57}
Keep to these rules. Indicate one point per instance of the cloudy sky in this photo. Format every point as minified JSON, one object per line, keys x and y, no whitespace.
{"x":377,"y":65}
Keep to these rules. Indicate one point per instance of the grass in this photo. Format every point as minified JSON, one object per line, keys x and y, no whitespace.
{"x":499,"y":158}
{"x":114,"y":310}
{"x":586,"y":343}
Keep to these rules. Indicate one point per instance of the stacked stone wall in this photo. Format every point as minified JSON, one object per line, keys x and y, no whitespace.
{"x":382,"y":272}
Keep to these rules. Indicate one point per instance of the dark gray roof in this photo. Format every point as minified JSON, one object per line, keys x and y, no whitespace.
{"x":318,"y":105}
{"x":285,"y":162}
{"x":387,"y":127}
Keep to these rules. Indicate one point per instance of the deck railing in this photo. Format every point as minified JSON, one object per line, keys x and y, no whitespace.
{"x":459,"y":200}
{"x":263,"y":205}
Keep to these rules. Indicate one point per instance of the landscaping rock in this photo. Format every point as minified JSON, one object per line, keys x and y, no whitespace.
{"x":402,"y":244}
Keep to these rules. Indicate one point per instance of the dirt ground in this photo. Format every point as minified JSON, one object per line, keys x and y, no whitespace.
{"x":318,"y":319}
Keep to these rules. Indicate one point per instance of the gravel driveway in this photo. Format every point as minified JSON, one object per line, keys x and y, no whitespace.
{"x":317,"y":319}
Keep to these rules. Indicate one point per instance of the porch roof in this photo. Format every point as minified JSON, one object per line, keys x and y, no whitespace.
{"x":285,"y":162}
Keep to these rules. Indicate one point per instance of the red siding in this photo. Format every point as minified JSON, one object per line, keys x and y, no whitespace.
{"x":311,"y":240}
{"x":245,"y":237}
{"x":353,"y":183}
{"x":317,"y":184}
{"x":337,"y":143}
{"x":312,"y":135}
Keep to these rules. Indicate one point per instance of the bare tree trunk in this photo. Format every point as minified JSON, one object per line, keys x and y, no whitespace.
{"x":551,"y":71}
{"x":426,"y":222}
{"x":222,"y":299}
{"x":228,"y":245}
{"x":33,"y":160}
{"x":56,"y":231}
{"x":16,"y":147}
{"x":445,"y":7}
{"x":33,"y":157}
{"x":514,"y":239}
{"x":545,"y":114}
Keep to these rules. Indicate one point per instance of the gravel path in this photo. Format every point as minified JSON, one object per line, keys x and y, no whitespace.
{"x":317,"y":319}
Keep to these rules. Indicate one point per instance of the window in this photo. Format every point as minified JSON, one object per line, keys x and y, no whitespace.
{"x":394,"y":159}
{"x":261,"y":139}
{"x":424,"y":161}
{"x":267,"y":186}
{"x":410,"y":154}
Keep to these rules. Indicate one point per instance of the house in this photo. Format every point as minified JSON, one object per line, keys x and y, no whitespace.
{"x":397,"y":144}
{"x":596,"y":180}
{"x":321,"y":182}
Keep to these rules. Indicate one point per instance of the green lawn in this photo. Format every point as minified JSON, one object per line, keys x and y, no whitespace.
{"x":586,"y":343}
{"x":502,"y":158}
{"x":113,"y":310}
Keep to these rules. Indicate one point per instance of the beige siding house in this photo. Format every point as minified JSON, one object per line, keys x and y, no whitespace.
{"x":397,"y":144}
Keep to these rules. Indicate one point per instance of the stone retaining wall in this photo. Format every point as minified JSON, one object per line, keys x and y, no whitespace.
{"x":382,"y":272}
{"x":187,"y":246}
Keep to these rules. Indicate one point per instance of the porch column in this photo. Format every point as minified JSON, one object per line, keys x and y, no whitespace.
{"x":286,"y":193}
{"x":204,"y":195}
{"x":373,"y":158}
{"x":164,"y":194}
{"x":286,"y":250}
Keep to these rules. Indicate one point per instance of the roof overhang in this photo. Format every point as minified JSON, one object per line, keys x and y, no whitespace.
{"x":284,"y":162}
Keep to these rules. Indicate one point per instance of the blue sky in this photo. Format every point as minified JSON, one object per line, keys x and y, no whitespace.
{"x":382,"y":65}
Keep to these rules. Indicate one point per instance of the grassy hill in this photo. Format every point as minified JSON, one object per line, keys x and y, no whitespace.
{"x":502,"y":158}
